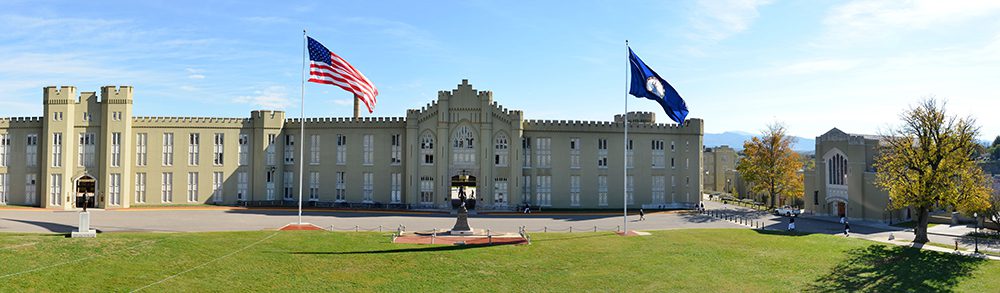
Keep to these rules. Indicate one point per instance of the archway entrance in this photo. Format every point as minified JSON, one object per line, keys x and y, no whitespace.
{"x":463,"y":185}
{"x":86,"y":187}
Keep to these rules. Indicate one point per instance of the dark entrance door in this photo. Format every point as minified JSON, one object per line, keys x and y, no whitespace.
{"x":463,"y":185}
{"x":86,"y":187}
{"x":841,"y":209}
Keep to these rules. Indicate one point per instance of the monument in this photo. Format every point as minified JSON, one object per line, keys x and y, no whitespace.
{"x":462,"y":222}
{"x":84,"y":231}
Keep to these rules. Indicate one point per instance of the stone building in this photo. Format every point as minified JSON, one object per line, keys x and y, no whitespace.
{"x":93,"y":144}
{"x":720,"y":169}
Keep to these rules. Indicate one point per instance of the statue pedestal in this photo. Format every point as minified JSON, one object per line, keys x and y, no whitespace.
{"x":462,"y":223}
{"x":84,"y":231}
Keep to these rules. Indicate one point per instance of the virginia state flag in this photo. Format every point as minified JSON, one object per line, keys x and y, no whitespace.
{"x":647,"y":84}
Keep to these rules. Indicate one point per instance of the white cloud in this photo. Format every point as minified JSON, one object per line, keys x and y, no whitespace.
{"x":717,"y":20}
{"x":196,"y":76}
{"x":272,"y":97}
{"x":870,"y":20}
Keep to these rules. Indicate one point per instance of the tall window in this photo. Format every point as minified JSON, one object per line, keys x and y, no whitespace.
{"x":57,"y":147}
{"x":544,"y":190}
{"x":4,"y":149}
{"x":30,"y":188}
{"x":368,"y":187}
{"x":167,"y":188}
{"x":141,"y":139}
{"x":526,"y":149}
{"x":115,"y":189}
{"x":500,"y":151}
{"x":368,"y":141}
{"x":55,"y":182}
{"x":192,"y":190}
{"x":269,"y":151}
{"x":289,"y":149}
{"x":463,"y":147}
{"x":217,"y":149}
{"x":341,"y":187}
{"x":314,"y":149}
{"x":140,"y":187}
{"x":269,"y":184}
{"x":673,"y":181}
{"x":32,"y":150}
{"x":427,"y":149}
{"x":687,"y":163}
{"x":574,"y":190}
{"x":168,"y":149}
{"x":526,"y":188}
{"x":289,"y":186}
{"x":659,"y":189}
{"x":630,"y":156}
{"x":216,"y":186}
{"x":602,"y":190}
{"x":396,"y":194}
{"x":242,"y":185}
{"x":87,"y":149}
{"x":314,"y":186}
{"x":397,"y":150}
{"x":658,"y":155}
{"x":544,"y":147}
{"x":574,"y":153}
{"x":836,"y":170}
{"x":194,"y":142}
{"x":630,"y":190}
{"x":341,"y":149}
{"x":244,"y":149}
{"x":602,"y":153}
{"x":672,"y":148}
{"x":116,"y":149}
{"x":3,"y":188}
{"x":426,"y":190}
{"x":500,"y":192}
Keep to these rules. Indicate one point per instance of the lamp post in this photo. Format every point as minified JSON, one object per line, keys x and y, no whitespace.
{"x":976,"y":237}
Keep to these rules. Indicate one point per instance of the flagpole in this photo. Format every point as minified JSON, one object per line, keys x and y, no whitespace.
{"x":625,"y":152}
{"x":302,"y":122}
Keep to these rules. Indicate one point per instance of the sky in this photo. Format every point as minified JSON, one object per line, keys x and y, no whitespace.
{"x":739,"y":64}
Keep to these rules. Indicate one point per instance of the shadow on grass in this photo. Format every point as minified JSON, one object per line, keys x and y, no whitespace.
{"x":576,"y":237}
{"x":52,"y":227}
{"x":776,"y":231}
{"x":400,"y":250}
{"x":879,"y":268}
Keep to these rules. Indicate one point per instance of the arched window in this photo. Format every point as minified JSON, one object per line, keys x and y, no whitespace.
{"x":500,"y":151}
{"x":837,"y":170}
{"x":463,"y":146}
{"x":427,"y":148}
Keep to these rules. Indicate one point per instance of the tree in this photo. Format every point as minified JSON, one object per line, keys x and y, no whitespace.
{"x":770,"y":166}
{"x":996,"y":141}
{"x":993,"y":212}
{"x":928,"y":162}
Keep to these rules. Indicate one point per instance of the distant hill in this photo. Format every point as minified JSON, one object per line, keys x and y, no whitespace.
{"x":735,"y":139}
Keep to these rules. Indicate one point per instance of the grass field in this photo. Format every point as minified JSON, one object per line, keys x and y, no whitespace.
{"x":711,"y":260}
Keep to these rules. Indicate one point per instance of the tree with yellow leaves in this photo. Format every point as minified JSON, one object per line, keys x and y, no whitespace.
{"x":929,"y":162}
{"x":770,"y":165}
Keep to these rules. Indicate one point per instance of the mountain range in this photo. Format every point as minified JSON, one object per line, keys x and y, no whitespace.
{"x":735,"y":139}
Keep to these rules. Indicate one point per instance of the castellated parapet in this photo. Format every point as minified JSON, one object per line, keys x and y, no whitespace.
{"x":52,"y":95}
{"x":116,"y":95}
{"x":345,"y":122}
{"x":20,"y":122}
{"x":691,"y":126}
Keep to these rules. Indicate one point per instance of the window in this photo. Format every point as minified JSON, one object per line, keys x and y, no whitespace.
{"x":427,"y":149}
{"x":427,"y":190}
{"x":687,"y":163}
{"x":313,"y":186}
{"x":3,"y":188}
{"x":115,"y":189}
{"x":526,"y":149}
{"x":574,"y":153}
{"x":193,"y":153}
{"x":543,"y":192}
{"x":116,"y":116}
{"x":602,"y":153}
{"x":544,"y":147}
{"x":629,"y":156}
{"x":140,"y":187}
{"x":244,"y":151}
{"x":368,"y":144}
{"x":140,"y":149}
{"x":86,"y":150}
{"x":314,"y":149}
{"x":168,"y":149}
{"x":659,"y":189}
{"x":816,"y":197}
{"x":57,"y":146}
{"x":55,"y":198}
{"x":341,"y":187}
{"x":687,"y":181}
{"x":192,"y":190}
{"x":574,"y":190}
{"x":57,"y":116}
{"x":526,"y":188}
{"x":242,"y":185}
{"x":269,"y":179}
{"x":289,"y":186}
{"x":500,"y":192}
{"x":368,"y":187}
{"x":463,"y":147}
{"x":672,"y":181}
{"x":217,"y":149}
{"x":500,"y":151}
{"x":396,"y":157}
{"x":216,"y":186}
{"x":658,"y":154}
{"x":289,"y":149}
{"x":671,"y":145}
{"x":836,"y":170}
{"x":30,"y":188}
{"x":671,"y":163}
{"x":269,"y":151}
{"x":86,"y":116}
{"x":116,"y":149}
{"x":602,"y":190}
{"x":32,"y":150}
{"x":341,"y":149}
{"x":630,"y":190}
{"x":167,"y":188}
{"x":396,"y":195}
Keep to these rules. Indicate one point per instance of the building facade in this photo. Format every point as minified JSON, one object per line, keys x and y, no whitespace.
{"x":92,"y":144}
{"x":720,"y":169}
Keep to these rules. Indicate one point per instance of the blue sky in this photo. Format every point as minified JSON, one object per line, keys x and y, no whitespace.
{"x":739,"y":64}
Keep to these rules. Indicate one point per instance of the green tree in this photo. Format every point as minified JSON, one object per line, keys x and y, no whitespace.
{"x":996,"y":142}
{"x":770,"y":166}
{"x":928,"y":162}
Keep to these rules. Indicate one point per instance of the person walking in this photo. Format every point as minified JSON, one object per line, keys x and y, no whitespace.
{"x":791,"y":224}
{"x":642,"y":215}
{"x":847,"y":229}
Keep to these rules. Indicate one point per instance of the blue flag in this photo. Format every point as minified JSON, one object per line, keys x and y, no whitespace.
{"x":647,"y":84}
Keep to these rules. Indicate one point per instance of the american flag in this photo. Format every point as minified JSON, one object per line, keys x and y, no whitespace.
{"x":328,"y":68}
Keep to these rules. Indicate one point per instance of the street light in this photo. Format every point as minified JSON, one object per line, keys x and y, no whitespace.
{"x":976,"y":237}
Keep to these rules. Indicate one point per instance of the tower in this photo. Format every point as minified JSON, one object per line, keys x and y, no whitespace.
{"x":57,"y":138}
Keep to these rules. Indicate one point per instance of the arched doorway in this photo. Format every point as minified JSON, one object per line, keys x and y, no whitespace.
{"x":463,"y":185}
{"x":86,"y":188}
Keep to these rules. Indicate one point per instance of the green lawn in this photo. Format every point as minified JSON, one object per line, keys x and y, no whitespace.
{"x":711,"y":260}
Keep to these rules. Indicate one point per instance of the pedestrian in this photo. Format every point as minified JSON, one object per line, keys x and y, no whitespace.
{"x":842,"y":220}
{"x":847,"y":229}
{"x":791,"y":224}
{"x":702,"y":207}
{"x":527,"y":209}
{"x":642,"y":215}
